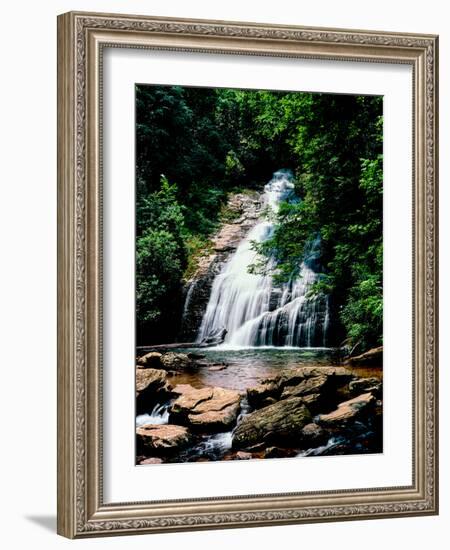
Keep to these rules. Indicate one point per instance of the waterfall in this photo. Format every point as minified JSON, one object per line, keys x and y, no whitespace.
{"x":159,"y":415}
{"x":251,"y":307}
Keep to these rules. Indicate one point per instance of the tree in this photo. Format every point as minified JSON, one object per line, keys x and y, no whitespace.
{"x":160,"y":262}
{"x":336,"y":144}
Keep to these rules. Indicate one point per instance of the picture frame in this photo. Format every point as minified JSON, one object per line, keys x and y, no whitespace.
{"x":82,"y":39}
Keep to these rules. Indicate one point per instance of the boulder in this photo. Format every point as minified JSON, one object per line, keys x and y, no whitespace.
{"x":214,"y":421}
{"x":188,"y":398}
{"x":162,"y":440}
{"x":151,"y":386}
{"x":320,"y":387}
{"x":177,"y":361}
{"x":150,"y":380}
{"x":152,"y":360}
{"x":348,"y":411}
{"x":314,"y":402}
{"x":313,"y":385}
{"x":278,"y":452}
{"x":341,"y":375}
{"x":152,"y":460}
{"x":274,"y":452}
{"x":313,"y":436}
{"x":373,"y":357}
{"x":372,"y":385}
{"x":277,"y":424}
{"x":266,"y":392}
{"x":320,"y":382}
{"x":242,"y":455}
{"x":181,"y":389}
{"x":220,"y":399}
{"x":209,"y":409}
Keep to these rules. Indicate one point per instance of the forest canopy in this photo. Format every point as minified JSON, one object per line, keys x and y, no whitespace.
{"x":194,"y":146}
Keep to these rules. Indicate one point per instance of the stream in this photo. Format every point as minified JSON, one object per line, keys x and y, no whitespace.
{"x":241,"y":368}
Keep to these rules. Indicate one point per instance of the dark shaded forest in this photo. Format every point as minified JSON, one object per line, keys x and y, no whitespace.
{"x":195,"y":146}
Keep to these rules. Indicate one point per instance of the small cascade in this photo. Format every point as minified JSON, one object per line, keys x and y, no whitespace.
{"x":255,"y":311}
{"x":159,"y":415}
{"x":187,"y":300}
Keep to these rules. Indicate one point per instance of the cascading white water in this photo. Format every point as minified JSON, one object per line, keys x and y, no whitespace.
{"x":255,"y":311}
{"x":159,"y":415}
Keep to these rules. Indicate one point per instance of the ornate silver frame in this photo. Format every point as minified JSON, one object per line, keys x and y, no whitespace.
{"x":81,"y":510}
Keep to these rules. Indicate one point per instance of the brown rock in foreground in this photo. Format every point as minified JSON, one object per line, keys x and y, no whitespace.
{"x":168,"y":361}
{"x":265,"y":393}
{"x":347,"y":411}
{"x":162,"y":440}
{"x":373,"y":357}
{"x":315,"y":384}
{"x":277,"y":452}
{"x":341,"y":375}
{"x":150,"y":379}
{"x":189,"y":398}
{"x":209,"y":409}
{"x":176,"y":361}
{"x":313,"y":435}
{"x":214,"y":421}
{"x":151,"y":385}
{"x":180,"y":389}
{"x":299,"y":382}
{"x":152,"y":460}
{"x":242,"y":455}
{"x":313,"y":402}
{"x":277,"y":424}
{"x":365,"y":385}
{"x":152,"y":360}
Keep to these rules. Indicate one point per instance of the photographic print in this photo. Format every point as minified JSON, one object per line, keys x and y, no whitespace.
{"x":259,"y":271}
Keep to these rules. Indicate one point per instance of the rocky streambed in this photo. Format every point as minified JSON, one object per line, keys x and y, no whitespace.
{"x":260,"y":403}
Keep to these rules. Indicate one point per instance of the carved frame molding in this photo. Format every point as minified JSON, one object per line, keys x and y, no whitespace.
{"x":81,"y":39}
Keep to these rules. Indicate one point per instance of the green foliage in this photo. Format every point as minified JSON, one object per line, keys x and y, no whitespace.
{"x":363,"y":313}
{"x":160,"y":258}
{"x":159,"y":271}
{"x":177,"y":135}
{"x":335,"y":145}
{"x":161,"y":210}
{"x":234,"y":168}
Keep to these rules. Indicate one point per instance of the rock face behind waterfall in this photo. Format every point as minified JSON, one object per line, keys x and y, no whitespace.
{"x":245,"y":209}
